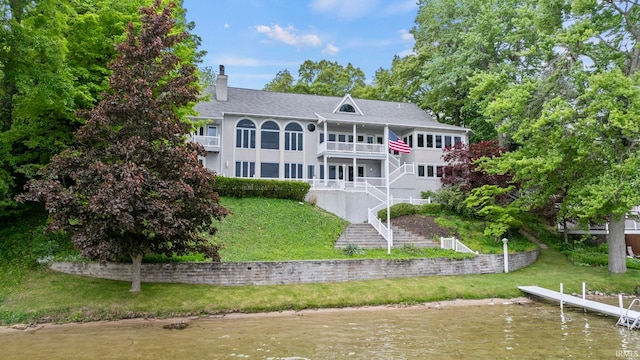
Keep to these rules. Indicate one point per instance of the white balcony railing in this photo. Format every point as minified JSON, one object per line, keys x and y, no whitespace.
{"x":351,"y":148}
{"x":210,"y":143}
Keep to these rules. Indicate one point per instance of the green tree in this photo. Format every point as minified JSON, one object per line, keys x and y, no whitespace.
{"x":283,"y":82}
{"x":320,"y":78}
{"x":36,"y":91}
{"x":53,"y":61}
{"x":577,"y":123}
{"x":456,"y":40}
{"x":132,"y":184}
{"x":93,"y":29}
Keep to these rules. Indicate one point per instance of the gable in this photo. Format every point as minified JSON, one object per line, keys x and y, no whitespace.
{"x":347,"y":106}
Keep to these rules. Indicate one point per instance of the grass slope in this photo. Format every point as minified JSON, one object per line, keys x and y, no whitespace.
{"x":273,"y":229}
{"x":29,"y":293}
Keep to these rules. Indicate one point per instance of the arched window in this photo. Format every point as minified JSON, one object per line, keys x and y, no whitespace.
{"x":246,"y":134}
{"x":293,"y":137}
{"x":270,"y":136}
{"x":347,"y":108}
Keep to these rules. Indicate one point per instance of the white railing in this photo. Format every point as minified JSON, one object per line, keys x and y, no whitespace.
{"x":404,"y":169}
{"x":207,"y":141}
{"x":371,"y":181}
{"x":374,"y":191}
{"x":372,"y":218}
{"x":412,"y":201}
{"x":631,"y":226}
{"x":322,"y":184}
{"x":354,"y":148}
{"x":453,"y":244}
{"x":394,"y":162}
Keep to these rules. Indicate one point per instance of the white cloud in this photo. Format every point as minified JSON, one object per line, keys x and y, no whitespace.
{"x":331,"y":49}
{"x":226,"y":26}
{"x":289,"y":35}
{"x":344,"y":9}
{"x":405,"y":35}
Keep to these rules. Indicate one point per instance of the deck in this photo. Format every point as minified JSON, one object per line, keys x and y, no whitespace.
{"x":627,"y":317}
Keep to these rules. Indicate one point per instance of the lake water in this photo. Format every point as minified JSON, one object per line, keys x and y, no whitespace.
{"x":482,"y":331}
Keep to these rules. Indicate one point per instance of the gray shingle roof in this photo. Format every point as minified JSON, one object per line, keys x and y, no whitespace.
{"x":273,"y":104}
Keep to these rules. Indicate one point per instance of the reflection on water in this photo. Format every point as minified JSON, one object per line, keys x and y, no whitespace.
{"x":530,"y":331}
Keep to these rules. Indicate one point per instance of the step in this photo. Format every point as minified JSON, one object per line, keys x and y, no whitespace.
{"x":366,"y":236}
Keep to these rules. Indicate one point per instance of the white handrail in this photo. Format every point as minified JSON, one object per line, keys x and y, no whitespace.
{"x":382,"y":229}
{"x":452,"y":243}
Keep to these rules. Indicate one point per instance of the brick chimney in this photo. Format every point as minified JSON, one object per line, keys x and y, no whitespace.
{"x":221,"y":85}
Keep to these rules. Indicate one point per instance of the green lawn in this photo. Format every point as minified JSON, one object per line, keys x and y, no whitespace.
{"x":259,"y":230}
{"x":43,"y":295}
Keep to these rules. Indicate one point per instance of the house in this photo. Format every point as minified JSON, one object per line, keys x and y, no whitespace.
{"x":338,"y":144}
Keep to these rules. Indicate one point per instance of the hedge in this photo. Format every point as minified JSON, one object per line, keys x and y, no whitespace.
{"x":246,"y":187}
{"x":401,"y":209}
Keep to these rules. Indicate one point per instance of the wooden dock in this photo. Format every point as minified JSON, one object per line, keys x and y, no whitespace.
{"x":626,"y":317}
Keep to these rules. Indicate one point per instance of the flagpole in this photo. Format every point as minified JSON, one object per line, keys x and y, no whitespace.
{"x":386,"y":170}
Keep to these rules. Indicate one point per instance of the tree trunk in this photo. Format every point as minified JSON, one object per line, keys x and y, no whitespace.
{"x":616,"y":243}
{"x":135,"y":272}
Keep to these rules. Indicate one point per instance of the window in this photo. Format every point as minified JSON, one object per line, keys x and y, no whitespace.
{"x":321,"y":138}
{"x":429,"y":140}
{"x":360,"y":138}
{"x":457,"y":139}
{"x":270,"y":136}
{"x":342,"y":138}
{"x":347,"y":108}
{"x":212,"y":131}
{"x":245,"y":169}
{"x":270,"y":170}
{"x":332,"y":172}
{"x":439,"y":171}
{"x":293,"y":137}
{"x":369,"y":139}
{"x":293,"y":171}
{"x":332,"y":137}
{"x":421,"y":169}
{"x":350,"y":138}
{"x":246,"y":134}
{"x":420,"y":140}
{"x":380,"y":139}
{"x":321,"y":171}
{"x":438,"y":141}
{"x":430,"y":172}
{"x":410,"y":143}
{"x":447,"y":141}
{"x":311,"y":171}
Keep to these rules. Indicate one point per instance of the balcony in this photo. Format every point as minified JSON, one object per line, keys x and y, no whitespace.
{"x":352,"y":150}
{"x":210,"y":143}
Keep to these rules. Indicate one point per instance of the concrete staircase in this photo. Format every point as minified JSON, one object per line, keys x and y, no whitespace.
{"x":365,"y":236}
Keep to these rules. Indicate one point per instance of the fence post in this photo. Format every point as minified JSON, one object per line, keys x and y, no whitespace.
{"x":506,"y":254}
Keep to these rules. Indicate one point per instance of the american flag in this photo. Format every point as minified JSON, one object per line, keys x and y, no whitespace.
{"x":396,"y":144}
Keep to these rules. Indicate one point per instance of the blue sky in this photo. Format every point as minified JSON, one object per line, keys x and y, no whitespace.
{"x":255,"y":39}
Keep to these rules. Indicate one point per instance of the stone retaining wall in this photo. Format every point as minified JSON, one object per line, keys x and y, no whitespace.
{"x":298,"y":272}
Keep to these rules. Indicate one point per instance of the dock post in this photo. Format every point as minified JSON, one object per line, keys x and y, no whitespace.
{"x":561,"y":293}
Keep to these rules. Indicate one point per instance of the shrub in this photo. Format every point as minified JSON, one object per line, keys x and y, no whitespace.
{"x":275,"y":189}
{"x":430,"y":209}
{"x":453,"y":198}
{"x":353,"y":250}
{"x":399,"y":210}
